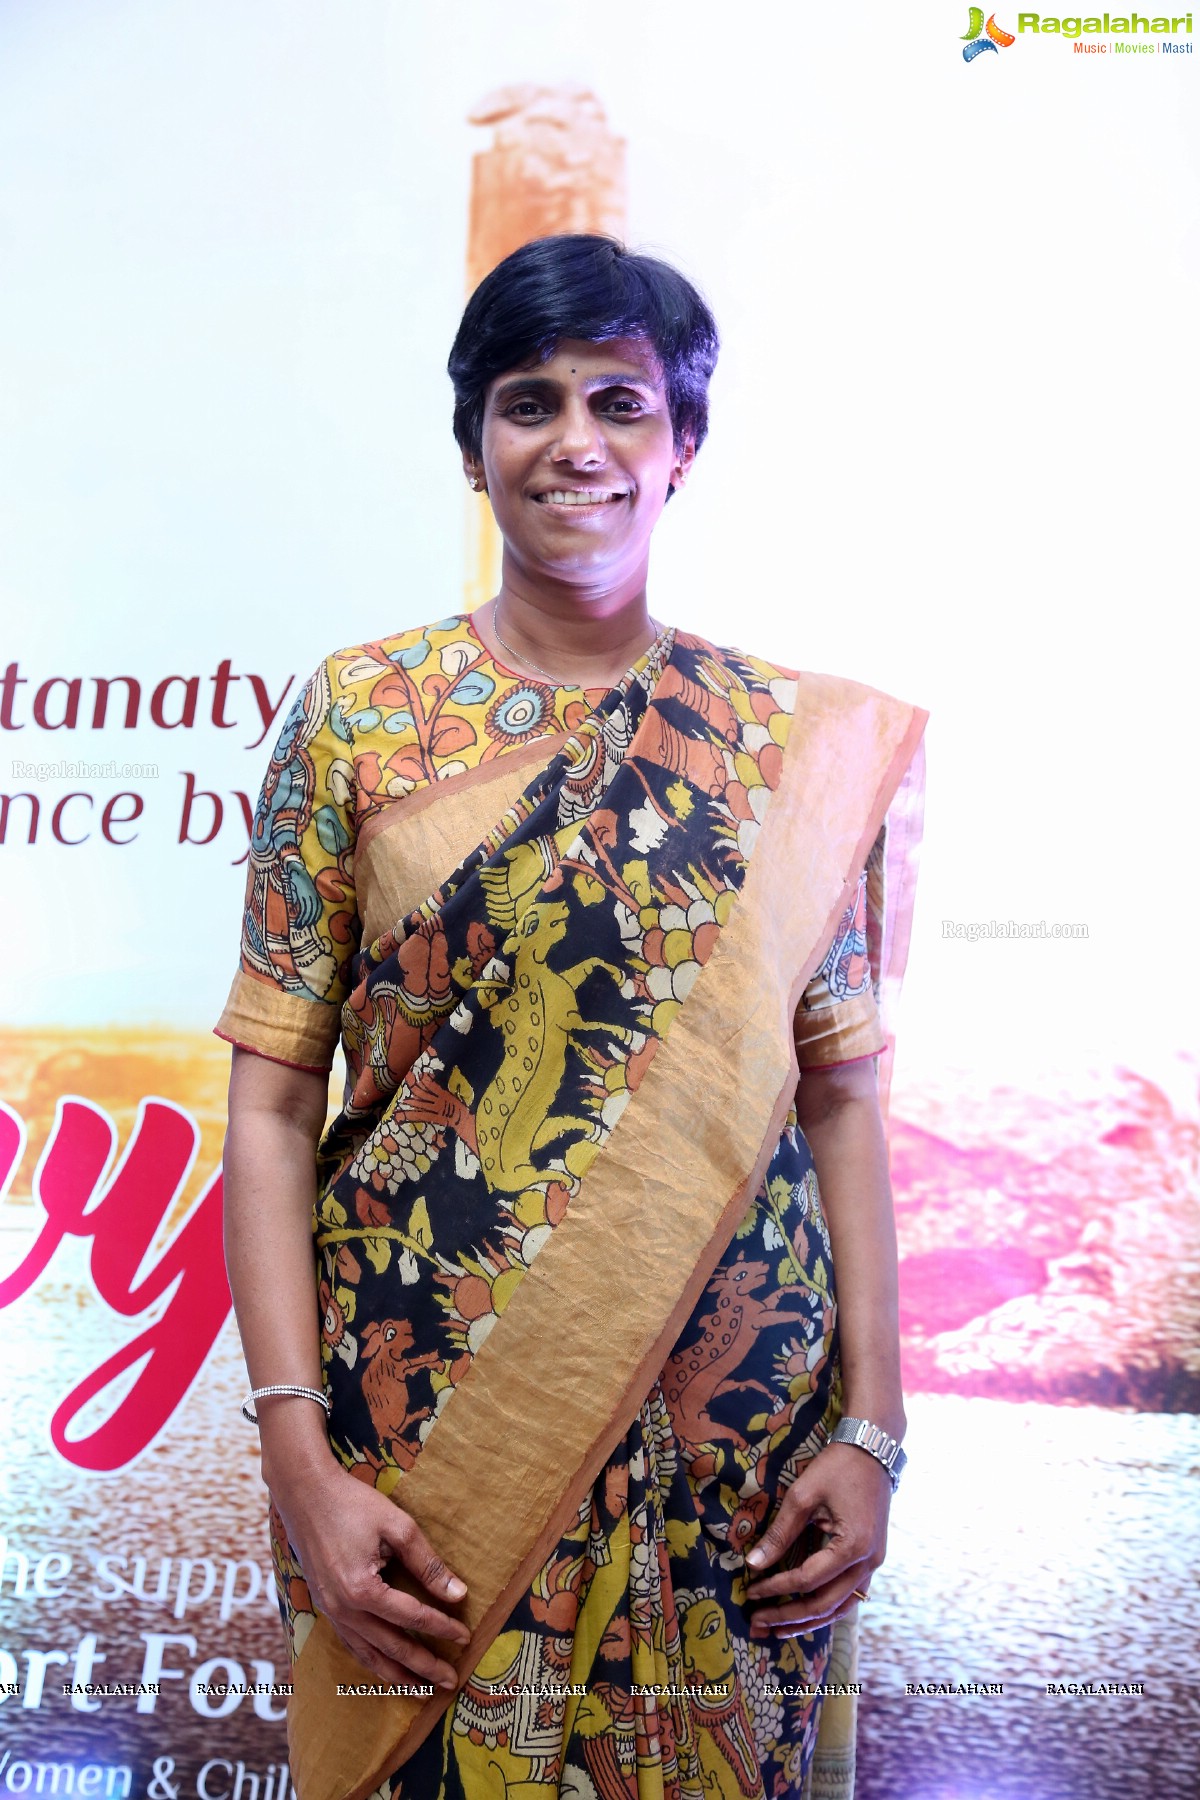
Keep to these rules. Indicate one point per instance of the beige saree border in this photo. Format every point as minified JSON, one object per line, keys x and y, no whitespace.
{"x":538,"y":753}
{"x":613,"y":1287}
{"x":902,"y":856}
{"x":415,"y":843}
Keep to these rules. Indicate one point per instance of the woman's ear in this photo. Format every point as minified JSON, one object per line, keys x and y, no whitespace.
{"x":684,"y":458}
{"x":473,"y":470}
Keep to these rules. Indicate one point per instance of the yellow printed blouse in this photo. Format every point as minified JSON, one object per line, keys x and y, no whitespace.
{"x":345,"y":839}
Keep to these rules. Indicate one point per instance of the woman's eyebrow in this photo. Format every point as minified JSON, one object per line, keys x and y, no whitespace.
{"x":622,"y":380}
{"x":543,"y":384}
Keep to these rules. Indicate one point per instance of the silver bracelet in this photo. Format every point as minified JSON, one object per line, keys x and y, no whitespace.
{"x":875,"y":1441}
{"x":284,"y":1387}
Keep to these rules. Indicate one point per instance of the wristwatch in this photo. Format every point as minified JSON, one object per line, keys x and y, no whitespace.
{"x":875,"y":1441}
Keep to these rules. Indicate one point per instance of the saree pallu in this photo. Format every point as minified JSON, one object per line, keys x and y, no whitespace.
{"x":577,"y":1293}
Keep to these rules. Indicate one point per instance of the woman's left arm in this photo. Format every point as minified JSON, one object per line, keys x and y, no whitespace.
{"x":843,"y":1490}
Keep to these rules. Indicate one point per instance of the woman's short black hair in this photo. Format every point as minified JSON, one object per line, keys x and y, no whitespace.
{"x":580,"y":285}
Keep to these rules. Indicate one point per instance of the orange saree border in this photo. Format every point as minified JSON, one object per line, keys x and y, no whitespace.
{"x":623,"y":1271}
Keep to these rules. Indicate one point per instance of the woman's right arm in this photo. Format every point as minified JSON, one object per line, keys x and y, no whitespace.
{"x":342,"y":1529}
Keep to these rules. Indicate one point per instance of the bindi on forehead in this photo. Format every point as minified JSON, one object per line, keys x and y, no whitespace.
{"x":633,"y":352}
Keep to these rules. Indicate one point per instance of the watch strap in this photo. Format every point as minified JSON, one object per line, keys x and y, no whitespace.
{"x":876,"y":1442}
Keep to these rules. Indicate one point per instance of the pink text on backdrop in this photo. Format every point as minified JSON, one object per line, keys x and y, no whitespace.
{"x":123,"y":1217}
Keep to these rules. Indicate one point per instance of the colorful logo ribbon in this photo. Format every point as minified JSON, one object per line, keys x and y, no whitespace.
{"x":975,"y":42}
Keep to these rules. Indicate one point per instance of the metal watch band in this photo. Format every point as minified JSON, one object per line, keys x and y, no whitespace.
{"x":876,"y":1442}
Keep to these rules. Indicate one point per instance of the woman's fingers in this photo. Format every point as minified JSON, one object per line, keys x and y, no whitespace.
{"x":790,"y":1617}
{"x":344,"y":1566}
{"x":414,"y":1657}
{"x":392,"y":1657}
{"x":846,"y":1496}
{"x":406,"y":1613}
{"x":794,"y":1513}
{"x":818,"y":1570}
{"x":412,"y":1548}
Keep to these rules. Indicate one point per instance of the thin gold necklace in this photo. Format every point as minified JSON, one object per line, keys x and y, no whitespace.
{"x":530,"y":664}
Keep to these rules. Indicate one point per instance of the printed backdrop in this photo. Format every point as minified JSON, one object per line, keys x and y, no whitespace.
{"x":951,"y":455}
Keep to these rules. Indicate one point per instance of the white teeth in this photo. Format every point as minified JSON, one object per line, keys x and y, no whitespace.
{"x":571,"y":497}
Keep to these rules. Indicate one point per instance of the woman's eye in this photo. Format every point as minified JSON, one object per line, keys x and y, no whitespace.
{"x":525,"y":409}
{"x":626,"y":408}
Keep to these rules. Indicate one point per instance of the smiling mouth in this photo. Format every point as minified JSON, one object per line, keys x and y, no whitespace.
{"x":576,"y":497}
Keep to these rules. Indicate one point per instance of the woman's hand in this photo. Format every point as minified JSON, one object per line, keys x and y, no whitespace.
{"x":343,"y":1533}
{"x":842,"y":1491}
{"x":846,"y":1494}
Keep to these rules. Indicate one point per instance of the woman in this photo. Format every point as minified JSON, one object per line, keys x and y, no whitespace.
{"x":549,"y":868}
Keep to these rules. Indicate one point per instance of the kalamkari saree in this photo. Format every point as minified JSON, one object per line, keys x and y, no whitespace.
{"x":578,"y":1300}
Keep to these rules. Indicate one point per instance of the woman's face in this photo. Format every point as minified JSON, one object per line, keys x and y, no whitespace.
{"x":578,"y":454}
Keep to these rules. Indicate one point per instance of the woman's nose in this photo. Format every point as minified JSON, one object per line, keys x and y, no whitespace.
{"x":580,"y":438}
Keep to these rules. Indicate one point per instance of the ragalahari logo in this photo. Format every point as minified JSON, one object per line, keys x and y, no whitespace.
{"x":974,"y":40}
